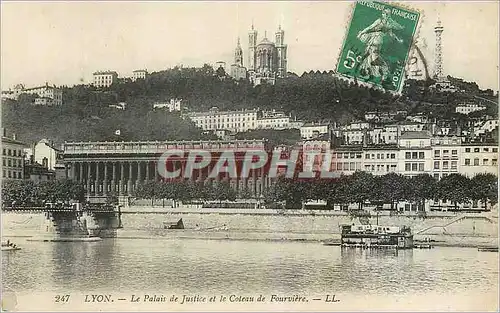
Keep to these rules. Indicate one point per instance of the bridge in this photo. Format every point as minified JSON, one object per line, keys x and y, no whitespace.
{"x":76,"y":220}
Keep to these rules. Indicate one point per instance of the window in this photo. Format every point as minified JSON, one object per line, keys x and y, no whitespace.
{"x":495,"y":149}
{"x":467,"y":161}
{"x":3,"y":151}
{"x":436,"y":176}
{"x":414,"y":167}
{"x":14,"y":152}
{"x":9,"y":153}
{"x":393,"y":155}
{"x":476,"y":162}
{"x":454,"y":152}
{"x":407,"y":167}
{"x":421,"y":155}
{"x":437,"y":153}
{"x":494,"y":161}
{"x":485,"y":161}
{"x":436,"y":165}
{"x":446,"y":151}
{"x":352,"y":166}
{"x":445,"y":164}
{"x":414,"y":155}
{"x":476,"y":149}
{"x":420,"y":167}
{"x":339,"y":166}
{"x":346,"y":166}
{"x":453,"y":165}
{"x":421,"y":143}
{"x":486,"y":149}
{"x":9,"y":162}
{"x":467,"y":149}
{"x":408,"y":155}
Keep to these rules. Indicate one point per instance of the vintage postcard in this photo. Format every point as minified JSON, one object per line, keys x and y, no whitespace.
{"x":249,"y":156}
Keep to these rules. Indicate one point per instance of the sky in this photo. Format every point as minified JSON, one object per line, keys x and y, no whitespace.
{"x":63,"y":43}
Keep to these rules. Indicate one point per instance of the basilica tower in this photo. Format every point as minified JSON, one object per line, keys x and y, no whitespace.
{"x":281,"y":51}
{"x":252,"y":46}
{"x":238,"y":54}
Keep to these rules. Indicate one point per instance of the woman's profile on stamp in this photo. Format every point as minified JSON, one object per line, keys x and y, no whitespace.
{"x":374,"y":37}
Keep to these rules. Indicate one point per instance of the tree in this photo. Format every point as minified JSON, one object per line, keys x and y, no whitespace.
{"x":361,"y":185}
{"x":455,"y":188}
{"x":484,"y":187}
{"x":423,"y":187}
{"x":390,"y":188}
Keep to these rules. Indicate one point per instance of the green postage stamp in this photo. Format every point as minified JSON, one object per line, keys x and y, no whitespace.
{"x":378,"y":43}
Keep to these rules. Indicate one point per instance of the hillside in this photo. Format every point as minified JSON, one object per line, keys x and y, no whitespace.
{"x":314,"y":96}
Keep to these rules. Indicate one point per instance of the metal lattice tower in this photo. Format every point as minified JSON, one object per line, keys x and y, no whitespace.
{"x":438,"y":71}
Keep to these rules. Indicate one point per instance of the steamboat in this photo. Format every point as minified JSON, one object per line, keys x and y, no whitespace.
{"x":376,"y":236}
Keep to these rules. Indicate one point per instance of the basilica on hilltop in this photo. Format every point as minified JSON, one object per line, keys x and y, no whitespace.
{"x":267,"y":60}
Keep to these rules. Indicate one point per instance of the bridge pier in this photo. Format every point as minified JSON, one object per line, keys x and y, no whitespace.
{"x":74,"y":223}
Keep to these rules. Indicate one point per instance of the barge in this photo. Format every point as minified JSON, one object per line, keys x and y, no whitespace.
{"x":376,"y":237}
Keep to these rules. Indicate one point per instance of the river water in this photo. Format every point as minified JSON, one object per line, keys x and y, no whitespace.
{"x":206,"y":267}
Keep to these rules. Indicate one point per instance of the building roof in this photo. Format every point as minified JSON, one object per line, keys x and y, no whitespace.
{"x":105,"y":73}
{"x":416,"y":135}
{"x":312,"y":124}
{"x":12,"y":141}
{"x":139,"y":71}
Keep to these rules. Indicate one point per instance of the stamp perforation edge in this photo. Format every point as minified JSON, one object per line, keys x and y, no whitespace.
{"x":415,"y":37}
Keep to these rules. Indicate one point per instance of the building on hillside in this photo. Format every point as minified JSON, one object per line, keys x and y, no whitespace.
{"x":46,"y":154}
{"x":267,"y":60}
{"x":347,"y":159}
{"x":478,"y":159}
{"x":467,"y":108}
{"x":12,"y":157}
{"x":238,"y":71}
{"x":484,"y":127}
{"x":38,"y":173}
{"x":139,"y":74}
{"x":236,"y":121}
{"x":313,"y":153}
{"x":445,"y":155}
{"x":273,"y":120}
{"x":172,"y":105}
{"x":384,"y":135}
{"x":415,"y":154}
{"x":105,"y":78}
{"x":381,"y":160}
{"x":46,"y":95}
{"x":314,"y":130}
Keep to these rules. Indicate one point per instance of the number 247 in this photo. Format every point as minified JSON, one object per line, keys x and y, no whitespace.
{"x":61,"y":298}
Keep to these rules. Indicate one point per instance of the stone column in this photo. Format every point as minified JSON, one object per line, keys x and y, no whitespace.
{"x":138,"y":180}
{"x":105,"y":181}
{"x":148,"y":171}
{"x":129,"y":184}
{"x":88,"y":183}
{"x":73,"y":171}
{"x":122,"y":178}
{"x":113,"y":178}
{"x":157,"y":175}
{"x":96,"y":179}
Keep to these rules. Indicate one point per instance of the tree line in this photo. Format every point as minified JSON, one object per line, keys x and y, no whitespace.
{"x":359,"y":188}
{"x":27,"y":193}
{"x":363,"y":187}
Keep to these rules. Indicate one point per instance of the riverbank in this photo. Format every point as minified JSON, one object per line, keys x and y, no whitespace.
{"x":449,"y":230}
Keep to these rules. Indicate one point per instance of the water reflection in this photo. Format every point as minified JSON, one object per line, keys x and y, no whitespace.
{"x":74,"y":264}
{"x":201,"y":266}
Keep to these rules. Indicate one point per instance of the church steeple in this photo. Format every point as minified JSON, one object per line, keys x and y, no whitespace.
{"x":238,"y":54}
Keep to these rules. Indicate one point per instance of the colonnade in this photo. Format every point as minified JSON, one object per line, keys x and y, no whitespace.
{"x":123,"y":177}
